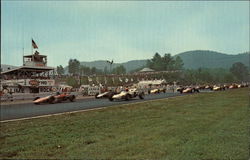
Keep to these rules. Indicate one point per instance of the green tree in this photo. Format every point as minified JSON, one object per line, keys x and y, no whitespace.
{"x":93,"y":70}
{"x":119,"y":70}
{"x":178,"y":64}
{"x":105,"y":71}
{"x":240,"y":71}
{"x":167,"y":62}
{"x":60,"y":70}
{"x":228,"y":77}
{"x":72,"y":82}
{"x":155,"y":63}
{"x":74,"y":66}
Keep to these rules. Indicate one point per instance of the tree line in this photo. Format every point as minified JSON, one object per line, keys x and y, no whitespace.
{"x":165,"y":62}
{"x":237,"y":73}
{"x":75,"y":68}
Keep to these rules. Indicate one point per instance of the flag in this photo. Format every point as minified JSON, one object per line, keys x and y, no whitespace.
{"x":34,"y":44}
{"x":105,"y":80}
{"x":120,"y":79}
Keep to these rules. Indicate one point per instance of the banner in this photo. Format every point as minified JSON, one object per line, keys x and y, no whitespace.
{"x":29,"y":82}
{"x":90,"y":79}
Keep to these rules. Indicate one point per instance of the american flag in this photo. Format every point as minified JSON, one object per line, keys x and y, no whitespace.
{"x":34,"y":44}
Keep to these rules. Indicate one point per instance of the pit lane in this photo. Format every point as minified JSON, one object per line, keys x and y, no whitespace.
{"x":18,"y":111}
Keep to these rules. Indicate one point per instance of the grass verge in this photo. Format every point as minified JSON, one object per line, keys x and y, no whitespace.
{"x":199,"y":126}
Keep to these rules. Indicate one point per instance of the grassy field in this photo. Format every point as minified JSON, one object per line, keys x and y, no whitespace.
{"x":199,"y":126}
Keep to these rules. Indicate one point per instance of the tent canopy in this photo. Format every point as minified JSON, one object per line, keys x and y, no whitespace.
{"x":146,"y":70}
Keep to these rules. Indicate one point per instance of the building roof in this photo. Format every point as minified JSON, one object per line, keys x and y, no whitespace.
{"x":146,"y":70}
{"x":30,"y":56}
{"x":28,"y":69}
{"x":152,"y":82}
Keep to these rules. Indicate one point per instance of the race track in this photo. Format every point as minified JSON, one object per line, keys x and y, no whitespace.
{"x":17,"y":111}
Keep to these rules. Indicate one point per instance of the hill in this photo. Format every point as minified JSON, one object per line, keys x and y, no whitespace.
{"x":192,"y":60}
{"x":211,"y":59}
{"x":101,"y":64}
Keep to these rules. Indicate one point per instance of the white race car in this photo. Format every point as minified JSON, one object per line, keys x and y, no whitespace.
{"x":103,"y":95}
{"x":188,"y":90}
{"x":126,"y":95}
{"x":157,"y":90}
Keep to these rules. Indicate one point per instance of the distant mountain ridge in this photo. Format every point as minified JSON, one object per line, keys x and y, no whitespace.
{"x":192,"y":60}
{"x":211,"y":59}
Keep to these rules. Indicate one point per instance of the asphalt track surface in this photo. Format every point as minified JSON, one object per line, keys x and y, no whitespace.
{"x":17,"y":111}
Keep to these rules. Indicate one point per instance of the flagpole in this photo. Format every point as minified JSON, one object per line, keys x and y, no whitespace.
{"x":23,"y":43}
{"x":23,"y":51}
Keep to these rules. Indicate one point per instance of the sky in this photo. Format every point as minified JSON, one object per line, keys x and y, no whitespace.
{"x":121,"y":30}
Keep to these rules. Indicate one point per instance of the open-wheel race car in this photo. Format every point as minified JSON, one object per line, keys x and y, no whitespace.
{"x":55,"y":98}
{"x":127,"y":94}
{"x":157,"y":90}
{"x":187,"y":90}
{"x":103,"y":95}
{"x":218,"y":88}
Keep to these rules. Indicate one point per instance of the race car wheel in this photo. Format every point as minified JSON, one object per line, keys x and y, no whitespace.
{"x":36,"y":98}
{"x":96,"y":95}
{"x":72,"y":98}
{"x":127,"y":97}
{"x":141,"y":95}
{"x":111,"y":97}
{"x":181,"y":91}
{"x":58,"y":101}
{"x":51,"y":99}
{"x":196,"y":90}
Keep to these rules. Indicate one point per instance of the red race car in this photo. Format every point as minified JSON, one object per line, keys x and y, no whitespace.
{"x":59,"y":97}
